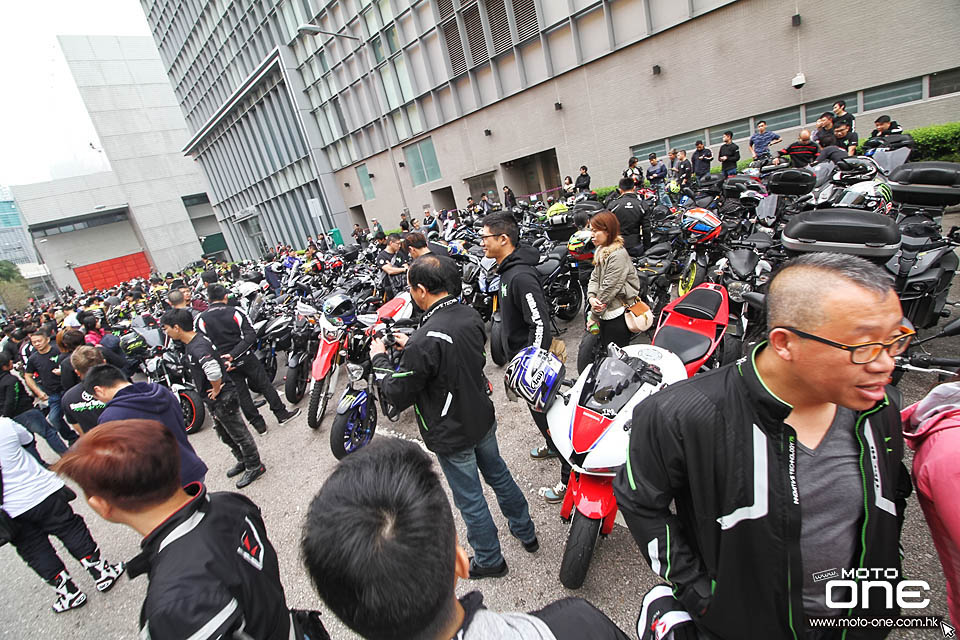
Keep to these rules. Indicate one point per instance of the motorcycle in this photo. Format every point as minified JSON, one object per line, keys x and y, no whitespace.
{"x":590,"y":426}
{"x":693,"y":325}
{"x":304,"y":340}
{"x":743,"y":269}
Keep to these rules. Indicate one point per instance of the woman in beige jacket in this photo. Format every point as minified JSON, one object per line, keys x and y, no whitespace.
{"x":614,"y":283}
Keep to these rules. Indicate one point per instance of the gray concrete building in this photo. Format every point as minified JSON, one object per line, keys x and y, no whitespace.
{"x":151,"y":211}
{"x":381,"y":106}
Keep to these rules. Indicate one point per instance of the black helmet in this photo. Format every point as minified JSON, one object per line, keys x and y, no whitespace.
{"x":339,"y":309}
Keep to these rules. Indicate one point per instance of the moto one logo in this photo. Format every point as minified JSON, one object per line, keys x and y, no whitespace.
{"x":856,"y":588}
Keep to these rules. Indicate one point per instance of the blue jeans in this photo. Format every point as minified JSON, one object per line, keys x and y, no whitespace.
{"x":34,"y":422}
{"x":55,"y":418}
{"x":460,"y":470}
{"x":725,"y":173}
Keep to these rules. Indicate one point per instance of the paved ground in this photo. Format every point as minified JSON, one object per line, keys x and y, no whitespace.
{"x":299,"y":460}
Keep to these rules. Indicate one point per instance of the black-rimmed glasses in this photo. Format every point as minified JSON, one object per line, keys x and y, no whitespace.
{"x":866,"y":352}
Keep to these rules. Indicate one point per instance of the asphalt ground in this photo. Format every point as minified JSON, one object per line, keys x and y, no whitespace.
{"x":298,"y":461}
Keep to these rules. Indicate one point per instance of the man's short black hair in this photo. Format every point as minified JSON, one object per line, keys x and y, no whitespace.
{"x":380,"y":236}
{"x":828,"y":115}
{"x":503,"y":222}
{"x":626,"y":184}
{"x":379,"y":543}
{"x":698,"y":142}
{"x":436,"y":274}
{"x":4,"y":360}
{"x":728,"y":133}
{"x":178,"y":318}
{"x":651,"y":156}
{"x":393,"y":237}
{"x":415,"y":239}
{"x":216,"y":292}
{"x":209,"y":276}
{"x":882,"y":120}
{"x":40,"y":331}
{"x":19,"y":334}
{"x":583,"y":167}
{"x":103,"y":375}
{"x":826,"y":140}
{"x":760,"y":122}
{"x":843,"y":105}
{"x":469,"y":197}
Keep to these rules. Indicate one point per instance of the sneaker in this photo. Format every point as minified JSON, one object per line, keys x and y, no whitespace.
{"x":553,"y":494}
{"x":287,"y":416}
{"x":236,"y":470}
{"x":477,"y":572}
{"x":102,"y":572}
{"x":250,"y":476}
{"x":260,"y":426}
{"x":259,"y":402}
{"x":69,"y":595}
{"x":530,"y":547}
{"x":543,"y":452}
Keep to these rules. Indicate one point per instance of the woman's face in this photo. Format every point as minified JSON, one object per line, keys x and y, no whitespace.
{"x":599,"y":237}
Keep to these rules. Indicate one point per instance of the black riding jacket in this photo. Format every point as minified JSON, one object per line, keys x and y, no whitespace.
{"x":228,"y":328}
{"x":523,"y":307}
{"x":213,"y":573}
{"x":732,"y":549}
{"x":441,"y":375}
{"x":632,"y":216}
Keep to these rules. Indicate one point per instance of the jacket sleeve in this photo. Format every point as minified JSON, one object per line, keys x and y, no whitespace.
{"x":613,"y":277}
{"x":656,"y":473}
{"x":203,"y":616}
{"x":418,"y":367}
{"x":248,"y":335}
{"x":938,"y":480}
{"x":8,"y":400}
{"x":529,"y":297}
{"x":736,"y":154}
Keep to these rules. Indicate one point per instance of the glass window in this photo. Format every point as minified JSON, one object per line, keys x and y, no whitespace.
{"x":403,"y":131}
{"x":372,"y":20}
{"x":641,"y":151}
{"x":386,"y":14}
{"x":430,"y":164}
{"x":378,"y":49}
{"x":782,"y":119}
{"x":363,"y":176}
{"x":740,"y":129}
{"x":322,"y":57}
{"x":413,"y":114}
{"x":686,"y":141}
{"x":944,"y":82}
{"x":406,"y":89}
{"x":421,"y":161}
{"x":814,"y":109}
{"x":392,"y":41}
{"x":390,"y":86}
{"x":894,"y":93}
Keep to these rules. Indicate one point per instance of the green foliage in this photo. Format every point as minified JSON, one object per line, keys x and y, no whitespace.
{"x":9,"y":272}
{"x":936,"y":141}
{"x":743,"y":164}
{"x":603,"y":192}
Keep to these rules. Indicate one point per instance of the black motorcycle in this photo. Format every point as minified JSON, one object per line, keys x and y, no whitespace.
{"x":304,"y":341}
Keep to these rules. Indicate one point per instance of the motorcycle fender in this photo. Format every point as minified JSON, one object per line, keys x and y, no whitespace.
{"x":734,"y":326}
{"x":295,"y":359}
{"x":350,"y":400}
{"x":177,"y":388}
{"x":325,"y":354}
{"x":593,"y":496}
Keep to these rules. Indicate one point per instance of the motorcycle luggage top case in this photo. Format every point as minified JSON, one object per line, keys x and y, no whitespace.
{"x":791,"y":182}
{"x":861,"y":233}
{"x":931,"y":184}
{"x":733,"y":186}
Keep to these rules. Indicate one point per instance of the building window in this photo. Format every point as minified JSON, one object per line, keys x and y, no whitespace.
{"x":815,"y":109}
{"x":686,"y":141}
{"x":740,"y":129}
{"x":782,"y":119}
{"x":894,"y":93}
{"x":641,"y":151}
{"x":944,"y":82}
{"x":422,"y":162}
{"x":365,"y":183}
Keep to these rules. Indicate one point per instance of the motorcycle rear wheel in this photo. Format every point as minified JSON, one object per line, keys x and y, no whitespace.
{"x":572,"y":298}
{"x":349,"y":432}
{"x":194,"y":411}
{"x":578,"y":552}
{"x":319,"y":400}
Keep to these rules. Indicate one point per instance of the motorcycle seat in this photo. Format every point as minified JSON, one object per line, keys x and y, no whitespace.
{"x":658,"y":251}
{"x":687,"y":345}
{"x":702,"y":304}
{"x":548,"y":266}
{"x":559,"y":252}
{"x":758,"y":240}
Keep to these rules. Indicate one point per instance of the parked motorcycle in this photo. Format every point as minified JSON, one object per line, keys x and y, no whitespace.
{"x":304,"y":340}
{"x":692,"y":327}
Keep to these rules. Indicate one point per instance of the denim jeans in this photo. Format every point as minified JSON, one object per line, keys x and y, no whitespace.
{"x":460,"y":470}
{"x":232,"y":431}
{"x":728,"y":172}
{"x":55,"y":418}
{"x":34,"y":421}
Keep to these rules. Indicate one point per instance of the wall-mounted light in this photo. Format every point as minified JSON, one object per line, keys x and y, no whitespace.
{"x":487,"y":132}
{"x":656,"y":69}
{"x":400,"y":164}
{"x":371,"y":176}
{"x":557,"y":106}
{"x":346,"y":184}
{"x":795,"y":20}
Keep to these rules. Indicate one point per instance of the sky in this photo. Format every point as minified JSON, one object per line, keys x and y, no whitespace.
{"x":45,"y":132}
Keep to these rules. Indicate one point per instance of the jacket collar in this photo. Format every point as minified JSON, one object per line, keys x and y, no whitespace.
{"x":178,"y":524}
{"x":768,"y":405}
{"x":442,"y":303}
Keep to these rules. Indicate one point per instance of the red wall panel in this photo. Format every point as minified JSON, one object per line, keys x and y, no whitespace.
{"x":107,"y":273}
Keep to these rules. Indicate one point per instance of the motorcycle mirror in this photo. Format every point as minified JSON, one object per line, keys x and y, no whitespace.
{"x":951,"y":329}
{"x":754,"y":299}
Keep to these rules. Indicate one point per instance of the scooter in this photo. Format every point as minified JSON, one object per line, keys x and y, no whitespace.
{"x":590,"y":426}
{"x":692,"y":327}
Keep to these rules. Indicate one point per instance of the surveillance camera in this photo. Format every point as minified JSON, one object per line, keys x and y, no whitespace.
{"x":799,"y":80}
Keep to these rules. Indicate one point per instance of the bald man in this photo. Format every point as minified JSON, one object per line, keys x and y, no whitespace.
{"x":785,"y":467}
{"x":800,"y":153}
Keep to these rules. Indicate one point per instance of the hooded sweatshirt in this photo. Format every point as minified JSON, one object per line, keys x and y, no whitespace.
{"x":526,"y":317}
{"x":151,"y":401}
{"x":932,"y":429}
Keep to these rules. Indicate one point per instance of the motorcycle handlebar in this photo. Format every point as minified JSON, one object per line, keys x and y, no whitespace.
{"x":924,"y":360}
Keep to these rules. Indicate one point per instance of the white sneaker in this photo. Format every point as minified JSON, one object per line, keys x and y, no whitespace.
{"x":553,"y":494}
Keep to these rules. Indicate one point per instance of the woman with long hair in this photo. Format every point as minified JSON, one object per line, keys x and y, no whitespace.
{"x":614,"y":283}
{"x":568,"y":187}
{"x":92,"y":331}
{"x":509,"y":200}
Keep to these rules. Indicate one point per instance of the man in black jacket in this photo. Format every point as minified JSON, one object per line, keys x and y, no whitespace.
{"x":441,"y":375}
{"x":785,"y":468}
{"x":583,"y":180}
{"x":729,"y":155}
{"x":702,"y":157}
{"x":17,"y":404}
{"x":380,"y":546}
{"x":525,"y":317}
{"x":230,"y":330}
{"x":632,"y":217}
{"x":885,"y":127}
{"x":213,"y":572}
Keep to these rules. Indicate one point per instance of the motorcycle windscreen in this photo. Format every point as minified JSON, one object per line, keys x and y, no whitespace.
{"x":602,"y":398}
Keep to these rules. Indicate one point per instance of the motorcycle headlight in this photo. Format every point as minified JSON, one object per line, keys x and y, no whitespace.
{"x":330,"y":335}
{"x":736,"y":289}
{"x":152,"y":365}
{"x":467,"y":289}
{"x":355,"y":371}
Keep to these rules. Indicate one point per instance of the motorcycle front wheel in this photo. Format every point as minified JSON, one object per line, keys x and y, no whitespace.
{"x":578,"y":552}
{"x":354,"y":429}
{"x":270,"y":366}
{"x":319,"y":400}
{"x":692,"y":276}
{"x":194,"y":412}
{"x":570,"y":301}
{"x":295,"y":385}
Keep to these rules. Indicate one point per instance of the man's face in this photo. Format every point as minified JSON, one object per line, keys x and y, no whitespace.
{"x":881,"y":126}
{"x":494,"y":246}
{"x":843,"y":130}
{"x":653,"y":162}
{"x":39,"y":341}
{"x":394,"y":245}
{"x":187,"y":294}
{"x":854,"y":315}
{"x":672,"y":155}
{"x":761,"y":127}
{"x":172,"y":332}
{"x":582,"y":171}
{"x":700,"y":147}
{"x":727,"y":139}
{"x":837,"y":109}
{"x":683,"y":156}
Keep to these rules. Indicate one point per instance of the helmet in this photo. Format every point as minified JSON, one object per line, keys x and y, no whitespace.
{"x":247,"y":288}
{"x":535,"y":375}
{"x":673,"y":187}
{"x":750,"y":198}
{"x":276,"y":267}
{"x":456,"y":248}
{"x":872,"y":196}
{"x":853,"y":170}
{"x":339,"y":309}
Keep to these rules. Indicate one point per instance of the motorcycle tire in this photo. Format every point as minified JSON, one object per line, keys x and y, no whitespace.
{"x":349,"y":433}
{"x":295,"y":385}
{"x":572,"y":298}
{"x":578,"y":552}
{"x":589,"y":344}
{"x":497,"y":350}
{"x":194,"y":411}
{"x":731,"y":349}
{"x":319,"y":401}
{"x":692,"y":276}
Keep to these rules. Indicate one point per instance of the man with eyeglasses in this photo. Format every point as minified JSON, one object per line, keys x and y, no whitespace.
{"x":785,"y":467}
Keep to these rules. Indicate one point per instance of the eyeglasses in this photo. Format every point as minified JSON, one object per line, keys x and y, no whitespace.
{"x":868,"y":351}
{"x":492,"y":235}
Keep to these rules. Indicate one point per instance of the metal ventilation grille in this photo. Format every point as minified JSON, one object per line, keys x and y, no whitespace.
{"x":475,"y":39}
{"x":454,"y":48}
{"x":445,"y":7}
{"x":525,"y":12}
{"x":499,"y":26}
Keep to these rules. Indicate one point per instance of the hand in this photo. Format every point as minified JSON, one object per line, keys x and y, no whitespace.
{"x":596,"y":305}
{"x":723,"y":158}
{"x":213,"y":393}
{"x":377,"y":347}
{"x":401,"y":339}
{"x":56,"y":371}
{"x":754,"y":156}
{"x":43,"y":397}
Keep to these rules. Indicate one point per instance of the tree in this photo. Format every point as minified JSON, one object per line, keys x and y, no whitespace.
{"x":9,"y":272}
